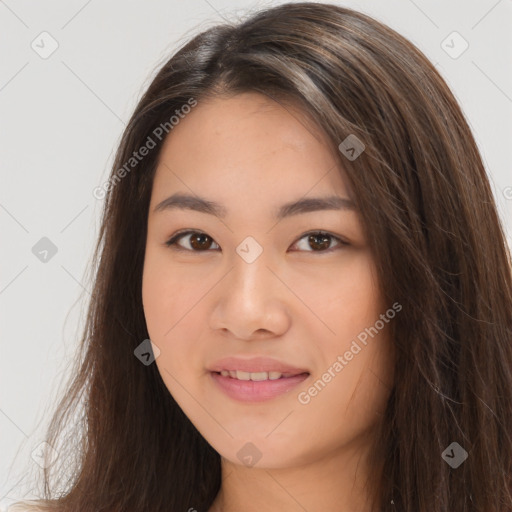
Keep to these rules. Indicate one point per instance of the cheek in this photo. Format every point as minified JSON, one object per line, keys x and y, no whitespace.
{"x":344,"y":299}
{"x":350,"y":307}
{"x":156,"y":298}
{"x":172,"y":309}
{"x":167,"y":295}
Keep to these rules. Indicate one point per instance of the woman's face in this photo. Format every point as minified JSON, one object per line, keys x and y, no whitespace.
{"x":251,"y":283}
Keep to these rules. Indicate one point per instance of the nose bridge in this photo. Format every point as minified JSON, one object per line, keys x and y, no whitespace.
{"x":252,"y":288}
{"x":250,"y":274}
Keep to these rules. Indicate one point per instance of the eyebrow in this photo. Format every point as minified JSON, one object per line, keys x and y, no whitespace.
{"x":185,"y":201}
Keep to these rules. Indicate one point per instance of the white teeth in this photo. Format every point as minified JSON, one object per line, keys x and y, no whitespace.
{"x":251,"y":376}
{"x":256,"y":376}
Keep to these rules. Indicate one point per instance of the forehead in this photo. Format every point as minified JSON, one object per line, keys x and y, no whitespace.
{"x":248,"y":143}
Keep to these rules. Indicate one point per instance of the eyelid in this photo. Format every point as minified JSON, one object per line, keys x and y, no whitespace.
{"x":176,"y":236}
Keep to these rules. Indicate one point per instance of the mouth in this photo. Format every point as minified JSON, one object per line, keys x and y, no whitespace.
{"x":257,"y":376}
{"x":249,"y":387}
{"x":239,"y":367}
{"x":255,"y":379}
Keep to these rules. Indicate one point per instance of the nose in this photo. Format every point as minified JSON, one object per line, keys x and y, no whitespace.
{"x":251,"y":301}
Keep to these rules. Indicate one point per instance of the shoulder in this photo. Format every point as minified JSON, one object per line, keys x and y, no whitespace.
{"x":26,"y":506}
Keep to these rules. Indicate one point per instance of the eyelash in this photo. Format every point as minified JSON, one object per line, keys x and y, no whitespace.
{"x":172,"y":241}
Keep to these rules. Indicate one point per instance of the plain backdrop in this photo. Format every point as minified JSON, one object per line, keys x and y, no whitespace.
{"x":62,"y":116}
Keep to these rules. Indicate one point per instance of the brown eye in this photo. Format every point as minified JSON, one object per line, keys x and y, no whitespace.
{"x":320,"y":241}
{"x":198,"y":241}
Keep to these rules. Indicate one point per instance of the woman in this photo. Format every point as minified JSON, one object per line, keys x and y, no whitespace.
{"x":303,"y":298}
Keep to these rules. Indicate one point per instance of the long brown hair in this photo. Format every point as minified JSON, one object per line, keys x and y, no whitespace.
{"x":433,"y":228}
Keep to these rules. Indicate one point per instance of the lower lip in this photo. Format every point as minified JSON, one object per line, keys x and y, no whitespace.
{"x":256,"y":391}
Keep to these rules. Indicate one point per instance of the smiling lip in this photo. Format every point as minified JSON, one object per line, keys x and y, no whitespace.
{"x":256,"y":391}
{"x":254,"y":365}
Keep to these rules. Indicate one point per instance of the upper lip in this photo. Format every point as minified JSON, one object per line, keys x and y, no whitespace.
{"x":255,"y":364}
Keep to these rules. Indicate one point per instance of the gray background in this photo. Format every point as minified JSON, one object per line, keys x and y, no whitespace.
{"x":63,"y":115}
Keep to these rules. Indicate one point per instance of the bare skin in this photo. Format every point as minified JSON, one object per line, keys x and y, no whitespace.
{"x":294,"y":302}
